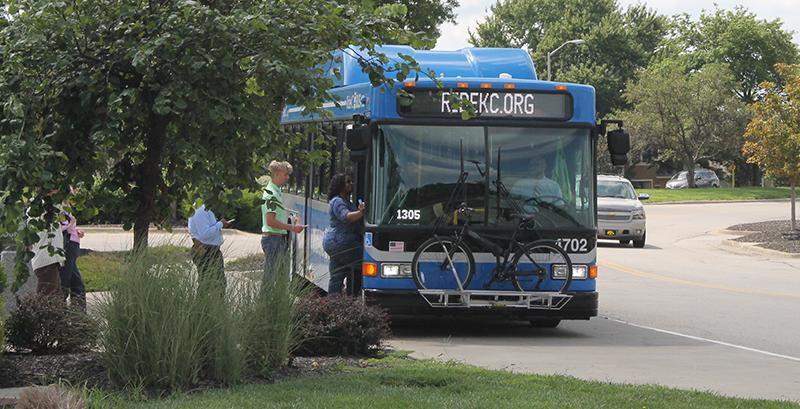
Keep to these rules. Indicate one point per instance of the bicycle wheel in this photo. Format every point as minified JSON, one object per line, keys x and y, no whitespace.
{"x":432,"y":269}
{"x":534,"y":263}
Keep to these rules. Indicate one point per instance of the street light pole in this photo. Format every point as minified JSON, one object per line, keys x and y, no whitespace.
{"x":550,"y":54}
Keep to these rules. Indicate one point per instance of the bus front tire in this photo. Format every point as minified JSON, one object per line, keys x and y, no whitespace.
{"x":545,"y":323}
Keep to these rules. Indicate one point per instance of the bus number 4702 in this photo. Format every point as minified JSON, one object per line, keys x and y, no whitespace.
{"x":573,"y":245}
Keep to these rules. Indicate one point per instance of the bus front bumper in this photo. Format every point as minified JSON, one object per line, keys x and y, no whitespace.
{"x":582,"y":306}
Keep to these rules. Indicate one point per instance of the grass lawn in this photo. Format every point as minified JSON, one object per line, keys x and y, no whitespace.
{"x":251,"y":262}
{"x":711,"y":194}
{"x":99,"y":269}
{"x":405,"y":383}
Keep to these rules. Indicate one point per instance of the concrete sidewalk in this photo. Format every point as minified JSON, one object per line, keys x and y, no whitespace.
{"x":9,"y":396}
{"x":237,"y":244}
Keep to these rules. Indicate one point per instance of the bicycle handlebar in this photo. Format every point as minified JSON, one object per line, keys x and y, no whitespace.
{"x":462,"y":208}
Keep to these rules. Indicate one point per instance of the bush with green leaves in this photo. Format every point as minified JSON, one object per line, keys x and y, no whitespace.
{"x":47,"y":325}
{"x":341,"y":325}
{"x":162,"y":331}
{"x":247,"y":212}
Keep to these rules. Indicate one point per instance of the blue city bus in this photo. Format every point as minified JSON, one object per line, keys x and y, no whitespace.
{"x":406,"y":151}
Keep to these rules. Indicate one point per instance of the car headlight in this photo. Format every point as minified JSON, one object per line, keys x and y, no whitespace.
{"x":578,"y":271}
{"x":638,"y":214}
{"x":395,"y":270}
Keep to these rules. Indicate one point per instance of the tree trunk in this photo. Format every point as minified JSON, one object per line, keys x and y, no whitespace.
{"x":150,"y":178}
{"x":690,"y":175}
{"x":756,"y":176}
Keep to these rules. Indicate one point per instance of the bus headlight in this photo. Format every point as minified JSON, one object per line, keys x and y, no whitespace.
{"x":395,"y":270}
{"x":578,"y":271}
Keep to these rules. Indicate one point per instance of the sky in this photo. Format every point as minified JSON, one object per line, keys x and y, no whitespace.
{"x":454,"y":36}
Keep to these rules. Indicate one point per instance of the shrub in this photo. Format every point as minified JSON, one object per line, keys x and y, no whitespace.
{"x":341,"y":325}
{"x":45,"y":325}
{"x":247,"y":211}
{"x":49,"y":397}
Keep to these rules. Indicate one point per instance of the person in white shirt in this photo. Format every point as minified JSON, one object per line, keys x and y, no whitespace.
{"x":206,"y":232}
{"x":538,"y":185}
{"x":47,"y":261}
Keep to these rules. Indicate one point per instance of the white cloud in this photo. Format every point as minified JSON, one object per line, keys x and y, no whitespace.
{"x":454,"y":36}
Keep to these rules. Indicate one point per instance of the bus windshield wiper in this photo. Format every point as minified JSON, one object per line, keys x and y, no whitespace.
{"x":401,"y":195}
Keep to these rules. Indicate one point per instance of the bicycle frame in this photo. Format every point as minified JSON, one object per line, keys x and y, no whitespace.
{"x":502,"y":256}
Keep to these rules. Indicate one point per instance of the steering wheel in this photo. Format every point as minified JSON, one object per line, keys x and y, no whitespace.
{"x":555,"y":199}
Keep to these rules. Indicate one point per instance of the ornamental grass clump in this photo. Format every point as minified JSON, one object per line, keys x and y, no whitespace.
{"x":160,"y":332}
{"x":270,"y":317}
{"x":50,"y":397}
{"x":163,"y":333}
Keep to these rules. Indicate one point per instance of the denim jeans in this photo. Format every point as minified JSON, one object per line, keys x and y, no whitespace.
{"x":274,"y":252}
{"x":344,"y":263}
{"x":71,"y":280}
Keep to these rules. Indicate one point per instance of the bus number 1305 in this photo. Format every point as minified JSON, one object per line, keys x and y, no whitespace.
{"x":405,"y":214}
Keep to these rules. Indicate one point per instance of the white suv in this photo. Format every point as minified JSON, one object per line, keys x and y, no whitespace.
{"x":620,"y":213}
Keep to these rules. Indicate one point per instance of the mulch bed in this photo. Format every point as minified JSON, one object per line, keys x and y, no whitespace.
{"x":17,"y":370}
{"x":769,"y":235}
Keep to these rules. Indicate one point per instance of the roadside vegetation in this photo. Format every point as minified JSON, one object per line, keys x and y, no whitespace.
{"x":716,"y":194}
{"x":397,"y":382}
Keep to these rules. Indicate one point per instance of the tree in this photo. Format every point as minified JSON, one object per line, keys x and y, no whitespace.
{"x":773,"y":135}
{"x":618,"y":44}
{"x":748,"y":45}
{"x":751,"y":47}
{"x":424,"y":18}
{"x":688,"y":116}
{"x":152,"y":100}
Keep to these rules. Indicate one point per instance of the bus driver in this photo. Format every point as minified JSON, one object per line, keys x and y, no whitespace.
{"x":538,"y":185}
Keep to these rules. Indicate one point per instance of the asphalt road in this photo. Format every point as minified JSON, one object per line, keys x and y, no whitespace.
{"x":685,"y":311}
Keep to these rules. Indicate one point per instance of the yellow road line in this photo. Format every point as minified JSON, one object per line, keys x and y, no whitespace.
{"x":659,"y":277}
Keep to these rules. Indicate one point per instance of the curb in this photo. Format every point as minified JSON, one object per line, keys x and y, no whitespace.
{"x":787,"y":200}
{"x":754,"y":248}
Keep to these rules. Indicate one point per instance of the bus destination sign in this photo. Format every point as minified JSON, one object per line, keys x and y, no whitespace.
{"x":488,"y":104}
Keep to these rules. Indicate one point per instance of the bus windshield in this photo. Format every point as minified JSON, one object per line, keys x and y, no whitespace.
{"x":546,"y":172}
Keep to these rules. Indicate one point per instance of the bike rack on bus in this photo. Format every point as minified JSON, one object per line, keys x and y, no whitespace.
{"x":539,"y":300}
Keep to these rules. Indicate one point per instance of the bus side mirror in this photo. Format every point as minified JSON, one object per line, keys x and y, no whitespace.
{"x":619,"y":144}
{"x":357,"y":138}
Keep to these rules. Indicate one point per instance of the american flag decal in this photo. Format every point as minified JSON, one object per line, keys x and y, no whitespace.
{"x":399,"y":246}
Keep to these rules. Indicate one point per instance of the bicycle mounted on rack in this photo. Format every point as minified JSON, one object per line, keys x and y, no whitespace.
{"x":444,"y":266}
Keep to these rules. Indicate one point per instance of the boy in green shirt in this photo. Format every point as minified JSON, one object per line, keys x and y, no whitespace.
{"x":274,"y":230}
